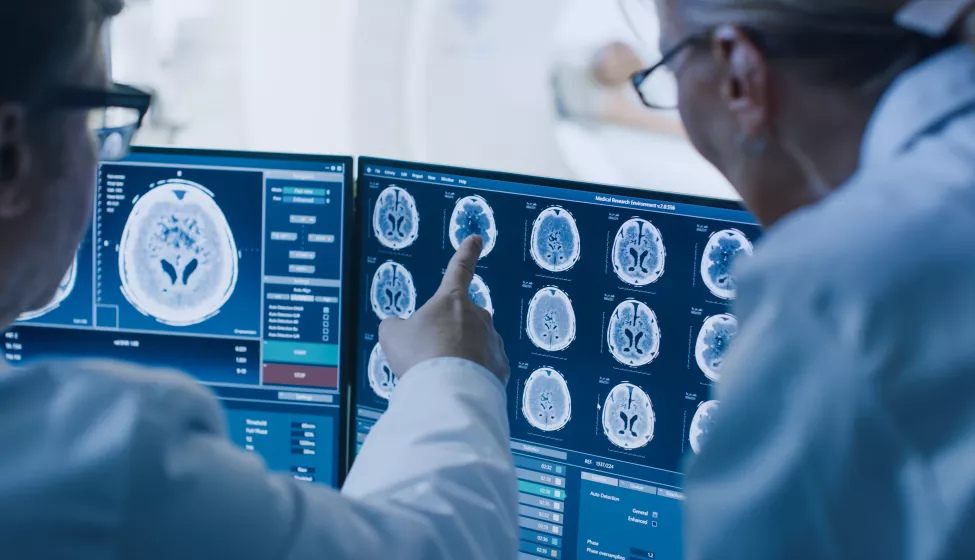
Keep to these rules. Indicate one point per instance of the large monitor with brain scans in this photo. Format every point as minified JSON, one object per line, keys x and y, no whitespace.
{"x":227,"y":266}
{"x":615,"y":309}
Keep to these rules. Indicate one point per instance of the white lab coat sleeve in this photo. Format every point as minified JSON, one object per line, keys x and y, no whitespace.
{"x":435,"y":481}
{"x":760,"y":485}
{"x":441,"y":456}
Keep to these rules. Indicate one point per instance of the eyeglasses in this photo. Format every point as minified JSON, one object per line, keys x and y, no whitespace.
{"x":115,"y":114}
{"x":657,"y":85}
{"x":816,"y":36}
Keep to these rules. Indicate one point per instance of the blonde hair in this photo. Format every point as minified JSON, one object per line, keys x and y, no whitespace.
{"x":870,"y":48}
{"x":776,"y":13}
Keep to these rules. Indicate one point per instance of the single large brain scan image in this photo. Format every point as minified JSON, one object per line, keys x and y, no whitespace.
{"x":633,"y":334}
{"x":480,"y":294}
{"x":178,"y":259}
{"x":712,"y":344}
{"x":396,"y":221}
{"x":473,"y":216}
{"x":551,"y":320}
{"x":720,"y":254}
{"x":65,"y":287}
{"x":546,"y":403}
{"x":393,"y":293}
{"x":381,"y":376}
{"x":639,"y":253}
{"x":628,"y":419}
{"x":555,"y":243}
{"x":702,"y":424}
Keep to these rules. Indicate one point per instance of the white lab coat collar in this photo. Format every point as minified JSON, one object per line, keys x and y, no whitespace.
{"x":920,"y":100}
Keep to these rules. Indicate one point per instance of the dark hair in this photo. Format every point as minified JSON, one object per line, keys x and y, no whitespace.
{"x":42,"y":41}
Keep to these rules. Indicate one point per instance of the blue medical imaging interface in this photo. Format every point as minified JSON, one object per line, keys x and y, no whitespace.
{"x":615,"y":311}
{"x":227,"y":267}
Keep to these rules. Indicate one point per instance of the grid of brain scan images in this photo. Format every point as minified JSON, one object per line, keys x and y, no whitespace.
{"x":616,"y":315}
{"x":227,"y":267}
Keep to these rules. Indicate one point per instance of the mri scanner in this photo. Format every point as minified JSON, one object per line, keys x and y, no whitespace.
{"x":475,"y":78}
{"x":460,"y":82}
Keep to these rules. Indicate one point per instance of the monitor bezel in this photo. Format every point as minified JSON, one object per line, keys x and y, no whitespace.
{"x":360,"y":215}
{"x":347,"y":330}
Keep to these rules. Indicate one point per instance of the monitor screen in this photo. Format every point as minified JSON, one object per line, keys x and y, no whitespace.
{"x":229,"y":267}
{"x":615,"y":309}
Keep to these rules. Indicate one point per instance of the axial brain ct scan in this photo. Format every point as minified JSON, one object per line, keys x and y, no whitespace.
{"x":638,"y":253}
{"x":473,"y":216}
{"x":396,"y":221}
{"x":64,"y":289}
{"x":634,"y":336}
{"x":178,"y":260}
{"x":227,"y":266}
{"x":551,"y":320}
{"x":393,"y":293}
{"x":615,"y":307}
{"x":555,"y":244}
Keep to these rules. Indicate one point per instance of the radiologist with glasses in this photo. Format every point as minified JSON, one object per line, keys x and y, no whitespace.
{"x":109,"y":460}
{"x":848,"y":398}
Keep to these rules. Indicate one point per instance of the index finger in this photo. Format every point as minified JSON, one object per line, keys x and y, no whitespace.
{"x":460,"y":271}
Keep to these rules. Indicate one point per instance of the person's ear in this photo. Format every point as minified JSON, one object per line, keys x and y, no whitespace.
{"x":745,"y":87}
{"x":14,"y":162}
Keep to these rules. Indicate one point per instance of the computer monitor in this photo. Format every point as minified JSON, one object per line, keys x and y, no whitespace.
{"x":614,"y":306}
{"x":229,"y":267}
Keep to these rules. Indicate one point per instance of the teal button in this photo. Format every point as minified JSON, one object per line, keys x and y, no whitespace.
{"x":301,"y":353}
{"x":301,"y":191}
{"x":539,"y":490}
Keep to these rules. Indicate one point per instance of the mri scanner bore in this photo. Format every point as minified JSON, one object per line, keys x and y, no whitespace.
{"x":628,"y":418}
{"x":393,"y":293}
{"x":555,"y":243}
{"x":639,"y":253}
{"x":473,"y":216}
{"x":717,"y":265}
{"x":396,"y":221}
{"x":381,"y":376}
{"x":64,"y":290}
{"x":551,"y":320}
{"x":712,"y":343}
{"x":546,"y":402}
{"x":633,"y":334}
{"x":480,"y":294}
{"x":178,"y":261}
{"x":702,"y":424}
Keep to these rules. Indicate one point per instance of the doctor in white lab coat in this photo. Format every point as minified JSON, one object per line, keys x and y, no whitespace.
{"x":105,"y":460}
{"x":847,"y":425}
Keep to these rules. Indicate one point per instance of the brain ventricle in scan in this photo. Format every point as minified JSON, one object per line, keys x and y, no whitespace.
{"x":551,"y":320}
{"x":713,"y":342}
{"x":639,"y":254}
{"x":65,"y":287}
{"x":633,"y":335}
{"x":178,"y":260}
{"x":473,"y":216}
{"x":628,"y":418}
{"x":393,"y":293}
{"x":382,"y":380}
{"x":702,"y":424}
{"x":480,"y":294}
{"x":555,"y":242}
{"x":546,"y":402}
{"x":720,"y":254}
{"x":396,"y":221}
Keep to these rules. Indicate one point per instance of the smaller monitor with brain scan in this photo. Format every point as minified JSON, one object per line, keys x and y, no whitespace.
{"x":227,"y":266}
{"x":615,"y":306}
